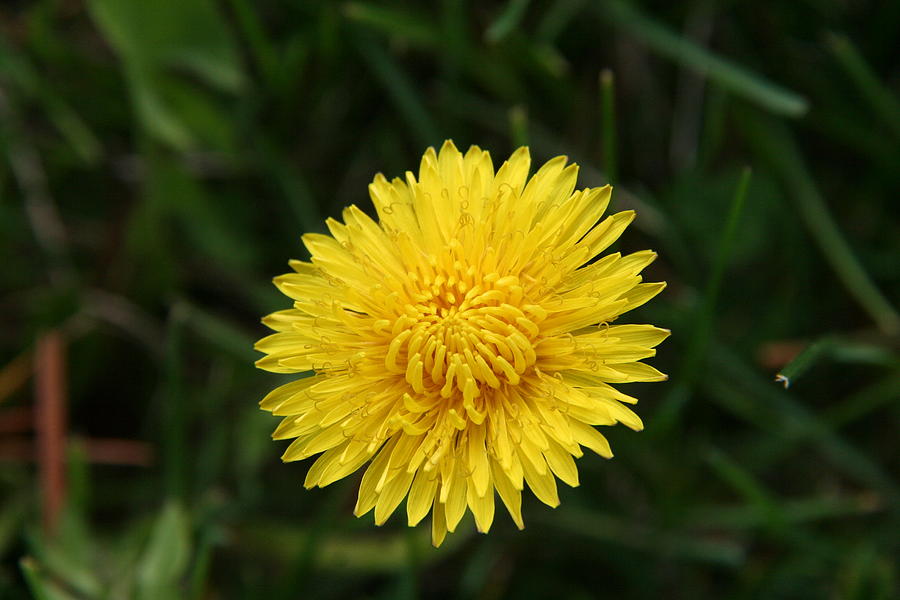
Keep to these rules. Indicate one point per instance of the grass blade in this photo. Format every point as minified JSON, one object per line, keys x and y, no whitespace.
{"x":226,"y":337}
{"x":508,"y":20}
{"x":258,"y":42}
{"x":744,"y":483}
{"x":775,"y":142}
{"x":40,"y":584}
{"x":703,"y":324}
{"x":793,"y":512}
{"x":167,"y":554}
{"x":518,"y":126}
{"x":401,"y":90}
{"x":860,"y":404}
{"x":174,"y":417}
{"x":736,"y":387}
{"x":556,"y":19}
{"x":639,"y":536}
{"x":608,"y":125}
{"x":810,"y":355}
{"x":836,"y":349}
{"x":884,"y":103}
{"x":729,"y":75}
{"x":26,"y":77}
{"x":400,"y":24}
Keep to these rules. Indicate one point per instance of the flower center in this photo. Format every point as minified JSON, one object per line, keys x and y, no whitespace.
{"x":458,"y":334}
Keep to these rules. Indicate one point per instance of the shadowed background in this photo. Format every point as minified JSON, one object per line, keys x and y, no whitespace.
{"x":160,"y":160}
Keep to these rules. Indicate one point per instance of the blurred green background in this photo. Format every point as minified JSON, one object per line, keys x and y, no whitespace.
{"x":159,"y":161}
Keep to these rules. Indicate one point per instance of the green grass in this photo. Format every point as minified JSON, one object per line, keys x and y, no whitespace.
{"x":160,"y":160}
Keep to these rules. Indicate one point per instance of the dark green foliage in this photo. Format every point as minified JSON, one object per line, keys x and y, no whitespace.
{"x":160,"y":159}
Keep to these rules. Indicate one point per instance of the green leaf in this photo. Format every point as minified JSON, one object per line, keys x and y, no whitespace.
{"x":67,"y":555}
{"x":167,"y":33}
{"x":165,"y":559}
{"x":157,"y":40}
{"x":41,"y":586}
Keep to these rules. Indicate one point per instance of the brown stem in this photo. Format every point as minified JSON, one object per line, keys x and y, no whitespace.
{"x":50,"y":424}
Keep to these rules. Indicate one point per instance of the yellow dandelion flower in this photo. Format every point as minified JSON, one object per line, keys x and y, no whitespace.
{"x":461,"y":345}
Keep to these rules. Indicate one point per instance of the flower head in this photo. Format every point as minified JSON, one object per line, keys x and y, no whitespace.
{"x":461,"y":345}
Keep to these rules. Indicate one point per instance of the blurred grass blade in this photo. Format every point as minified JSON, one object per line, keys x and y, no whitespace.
{"x":291,"y":184}
{"x":201,"y":566}
{"x":184,"y":199}
{"x":68,"y":562}
{"x":159,"y":120}
{"x":774,"y":142}
{"x":703,"y":323}
{"x":454,"y":38}
{"x":15,"y":508}
{"x":261,"y":47}
{"x":809,"y":356}
{"x":518,"y":125}
{"x":752,"y":490}
{"x":738,"y":387}
{"x":16,"y":67}
{"x":74,"y":129}
{"x":639,"y":536}
{"x":143,"y":35}
{"x":836,"y":349}
{"x":408,"y":578}
{"x":608,"y":125}
{"x":865,"y":573}
{"x":228,"y":338}
{"x":42,"y":588}
{"x":556,"y":19}
{"x":726,"y":242}
{"x":28,"y":170}
{"x":14,"y":374}
{"x":855,"y":135}
{"x":166,"y":556}
{"x":403,"y":25}
{"x":481,"y":563}
{"x":339,"y":550}
{"x":713,"y":125}
{"x":507,"y":21}
{"x":729,"y":75}
{"x":304,"y":558}
{"x":884,"y":103}
{"x":75,"y":531}
{"x":792,"y":512}
{"x":401,"y":90}
{"x":174,"y":412}
{"x":551,"y":60}
{"x":877,"y":395}
{"x":171,"y":108}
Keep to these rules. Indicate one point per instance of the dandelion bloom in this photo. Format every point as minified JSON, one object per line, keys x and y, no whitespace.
{"x":461,"y":344}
